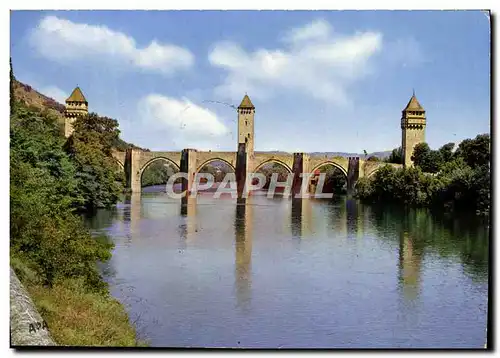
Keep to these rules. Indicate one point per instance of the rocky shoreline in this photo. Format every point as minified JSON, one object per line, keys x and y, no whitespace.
{"x":27,"y":327}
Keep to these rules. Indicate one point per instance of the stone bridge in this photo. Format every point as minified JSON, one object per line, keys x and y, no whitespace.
{"x":245,"y":160}
{"x":191,"y":161}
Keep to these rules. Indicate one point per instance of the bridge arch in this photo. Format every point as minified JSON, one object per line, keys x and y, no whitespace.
{"x":216,"y":159}
{"x":374,"y":170}
{"x":151,"y":161}
{"x":120,"y":164}
{"x":273,"y":160}
{"x":332,"y":163}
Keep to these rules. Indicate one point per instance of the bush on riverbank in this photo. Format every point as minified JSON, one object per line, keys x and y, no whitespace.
{"x":52,"y":252}
{"x":457,"y":180}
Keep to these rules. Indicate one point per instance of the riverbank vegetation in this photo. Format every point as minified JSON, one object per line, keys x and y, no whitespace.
{"x":442,"y":179}
{"x":52,"y":181}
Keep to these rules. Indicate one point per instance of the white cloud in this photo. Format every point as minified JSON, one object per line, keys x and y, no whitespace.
{"x":408,"y":52}
{"x":55,"y":92}
{"x":63,"y":40}
{"x":314,"y":61}
{"x":166,"y":121}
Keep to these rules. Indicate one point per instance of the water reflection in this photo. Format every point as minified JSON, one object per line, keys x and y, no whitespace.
{"x":243,"y":229}
{"x":188,"y":228}
{"x":410,"y":260}
{"x":337,"y":215}
{"x":132,"y":213}
{"x":411,"y":279}
{"x":355,"y":220}
{"x":465,"y":238}
{"x":301,"y":218}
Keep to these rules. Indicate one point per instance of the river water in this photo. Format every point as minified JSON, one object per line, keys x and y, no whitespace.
{"x":273,"y":273}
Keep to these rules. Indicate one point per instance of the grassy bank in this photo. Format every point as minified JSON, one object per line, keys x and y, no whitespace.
{"x":77,"y":316}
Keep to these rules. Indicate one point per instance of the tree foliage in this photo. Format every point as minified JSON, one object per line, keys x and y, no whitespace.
{"x":157,"y":173}
{"x":90,"y":147}
{"x":475,"y":152}
{"x":426,"y":159}
{"x":396,"y":156}
{"x":457,"y":180}
{"x":46,"y":233}
{"x":269,"y":169}
{"x":335,"y":180}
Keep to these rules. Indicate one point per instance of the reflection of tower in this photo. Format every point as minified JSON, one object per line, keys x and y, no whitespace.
{"x":135,"y":214}
{"x":360,"y":221}
{"x":409,"y":266}
{"x":306,"y":217}
{"x":301,"y":216}
{"x":76,"y":106}
{"x":188,"y":210}
{"x":343,"y":217}
{"x":352,"y":217}
{"x":296,"y":218}
{"x":243,"y":226}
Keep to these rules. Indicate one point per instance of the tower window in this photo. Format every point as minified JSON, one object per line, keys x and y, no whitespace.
{"x":246,"y":122}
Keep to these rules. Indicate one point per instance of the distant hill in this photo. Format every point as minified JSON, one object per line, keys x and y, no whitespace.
{"x":380,"y":155}
{"x":31,"y":97}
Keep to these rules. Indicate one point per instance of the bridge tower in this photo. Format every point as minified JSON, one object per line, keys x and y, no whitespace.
{"x":76,"y":105}
{"x":413,"y":122}
{"x":246,"y":113}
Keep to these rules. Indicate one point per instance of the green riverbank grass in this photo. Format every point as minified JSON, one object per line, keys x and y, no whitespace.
{"x":77,"y":316}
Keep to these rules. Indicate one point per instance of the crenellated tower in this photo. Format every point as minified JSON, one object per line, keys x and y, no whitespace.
{"x":246,"y":113}
{"x":413,"y":122}
{"x":76,"y":105}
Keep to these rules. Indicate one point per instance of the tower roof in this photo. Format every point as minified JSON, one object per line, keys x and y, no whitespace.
{"x":76,"y":96}
{"x":246,"y":103}
{"x":413,"y":104}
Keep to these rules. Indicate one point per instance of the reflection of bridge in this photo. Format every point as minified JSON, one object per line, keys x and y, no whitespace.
{"x":244,"y":161}
{"x":302,"y":222}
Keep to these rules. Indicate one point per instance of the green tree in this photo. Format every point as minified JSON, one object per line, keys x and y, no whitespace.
{"x":426,"y":159}
{"x":156,"y":173}
{"x":335,"y":180}
{"x":396,"y":156}
{"x":461,"y":180}
{"x":90,"y":147}
{"x":45,"y":233}
{"x":446,"y":152}
{"x":475,"y":152}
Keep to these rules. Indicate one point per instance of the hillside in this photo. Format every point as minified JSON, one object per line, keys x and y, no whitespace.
{"x":31,"y":97}
{"x":380,"y":155}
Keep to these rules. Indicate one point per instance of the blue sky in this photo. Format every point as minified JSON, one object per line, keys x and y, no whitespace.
{"x":320,"y":80}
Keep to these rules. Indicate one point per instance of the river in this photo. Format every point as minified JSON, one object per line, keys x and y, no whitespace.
{"x":273,"y":273}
